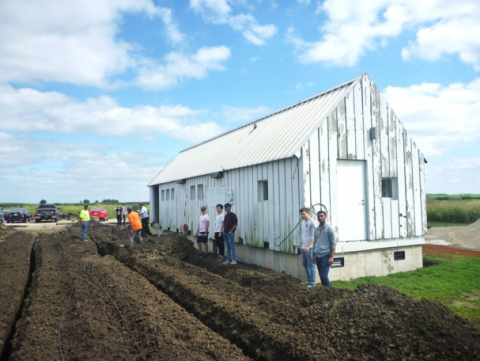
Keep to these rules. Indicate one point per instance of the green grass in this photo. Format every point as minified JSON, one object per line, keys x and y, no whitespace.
{"x":452,"y":282}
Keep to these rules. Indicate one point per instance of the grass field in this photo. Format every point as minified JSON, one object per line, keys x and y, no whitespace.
{"x":452,"y":282}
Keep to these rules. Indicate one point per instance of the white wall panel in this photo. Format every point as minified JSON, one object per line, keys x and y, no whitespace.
{"x":359,"y":127}
{"x":369,"y":123}
{"x":377,"y":163}
{"x":341,"y":127}
{"x":402,"y":195}
{"x":350,"y":116}
{"x":416,"y":191}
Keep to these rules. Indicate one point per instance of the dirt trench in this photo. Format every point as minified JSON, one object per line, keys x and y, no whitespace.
{"x":269,"y":314}
{"x":265,"y":314}
{"x":15,"y":271}
{"x":92,"y":328}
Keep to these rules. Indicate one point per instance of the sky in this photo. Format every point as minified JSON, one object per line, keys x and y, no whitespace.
{"x":97,"y":96}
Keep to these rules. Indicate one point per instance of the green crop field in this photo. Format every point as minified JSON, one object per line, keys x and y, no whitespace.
{"x":446,"y":210}
{"x":452,"y":282}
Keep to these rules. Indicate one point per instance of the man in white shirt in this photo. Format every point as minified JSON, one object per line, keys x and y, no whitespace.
{"x":308,"y":232}
{"x":202,"y":232}
{"x":144,"y":218}
{"x":218,"y":239}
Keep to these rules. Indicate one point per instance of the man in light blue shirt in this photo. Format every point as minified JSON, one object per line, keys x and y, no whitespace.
{"x":324,"y":247}
{"x":308,"y":229}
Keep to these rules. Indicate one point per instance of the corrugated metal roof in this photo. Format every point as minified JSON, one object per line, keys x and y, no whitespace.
{"x":277,"y":136}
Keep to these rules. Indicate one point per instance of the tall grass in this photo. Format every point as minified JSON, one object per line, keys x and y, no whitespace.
{"x":453,"y":211}
{"x":451,"y":197}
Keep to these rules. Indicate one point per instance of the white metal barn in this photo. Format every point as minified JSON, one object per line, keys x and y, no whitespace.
{"x":343,"y":148}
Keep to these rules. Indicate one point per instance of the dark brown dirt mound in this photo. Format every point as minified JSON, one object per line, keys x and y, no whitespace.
{"x":92,"y":328}
{"x":14,"y":270}
{"x":373,"y":322}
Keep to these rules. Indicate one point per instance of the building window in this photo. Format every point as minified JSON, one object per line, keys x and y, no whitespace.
{"x":390,"y":188}
{"x":262,"y":191}
{"x":200,"y":192}
{"x":192,"y":193}
{"x":338,"y":262}
{"x":163,"y":194}
{"x":399,"y":255}
{"x":172,"y":194}
{"x":168,"y":194}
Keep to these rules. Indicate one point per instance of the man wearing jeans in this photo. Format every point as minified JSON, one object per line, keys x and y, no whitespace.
{"x":85,"y":216}
{"x":324,"y":247}
{"x":230,"y":222}
{"x":308,"y":230}
{"x":134,"y":226}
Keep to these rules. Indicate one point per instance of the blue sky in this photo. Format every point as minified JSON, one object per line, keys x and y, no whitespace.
{"x":97,"y":96}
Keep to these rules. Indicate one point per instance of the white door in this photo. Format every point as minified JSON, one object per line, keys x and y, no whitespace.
{"x":352,"y":221}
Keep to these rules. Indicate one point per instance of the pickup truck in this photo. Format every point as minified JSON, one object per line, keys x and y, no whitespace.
{"x":45,"y":212}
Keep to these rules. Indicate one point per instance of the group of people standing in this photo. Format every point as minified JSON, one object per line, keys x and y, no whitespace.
{"x":225,"y":226}
{"x":138,"y":222}
{"x":318,"y":247}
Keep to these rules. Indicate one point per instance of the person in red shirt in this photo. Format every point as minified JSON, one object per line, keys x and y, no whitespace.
{"x":134,"y":226}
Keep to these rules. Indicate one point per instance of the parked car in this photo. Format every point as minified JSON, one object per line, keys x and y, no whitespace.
{"x":1,"y":214}
{"x":46,"y":212}
{"x":17,"y":215}
{"x":99,"y":212}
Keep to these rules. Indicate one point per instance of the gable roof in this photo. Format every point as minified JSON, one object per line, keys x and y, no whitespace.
{"x":276,"y":136}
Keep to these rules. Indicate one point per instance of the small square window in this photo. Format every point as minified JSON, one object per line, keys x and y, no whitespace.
{"x":200,"y":192}
{"x":390,"y":188}
{"x":262,"y":190}
{"x":163,"y":194}
{"x":172,"y":194}
{"x":399,"y":255}
{"x":338,"y":262}
{"x":168,"y":194}
{"x":192,"y":193}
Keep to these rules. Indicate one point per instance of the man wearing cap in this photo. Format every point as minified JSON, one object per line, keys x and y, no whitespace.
{"x":134,"y":225}
{"x":144,"y":218}
{"x":202,"y":231}
{"x":85,"y":216}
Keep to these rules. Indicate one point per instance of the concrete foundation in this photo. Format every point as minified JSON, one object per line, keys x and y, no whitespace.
{"x":360,"y":259}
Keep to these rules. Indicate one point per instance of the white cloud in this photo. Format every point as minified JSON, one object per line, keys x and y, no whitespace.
{"x":82,"y":170}
{"x":179,"y":66}
{"x":457,"y":36}
{"x":28,"y":110}
{"x":441,"y":117}
{"x":74,"y":42}
{"x":353,"y":28}
{"x":234,"y":114}
{"x":220,"y":12}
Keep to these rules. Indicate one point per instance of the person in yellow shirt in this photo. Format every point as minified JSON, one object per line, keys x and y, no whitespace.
{"x":85,"y":216}
{"x":134,"y":225}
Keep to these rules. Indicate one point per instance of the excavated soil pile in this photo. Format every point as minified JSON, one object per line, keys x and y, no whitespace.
{"x":92,"y":328}
{"x":271,"y":317}
{"x":15,"y":255}
{"x":463,"y":237}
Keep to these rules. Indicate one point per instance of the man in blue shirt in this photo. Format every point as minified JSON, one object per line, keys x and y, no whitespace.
{"x":324,"y":247}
